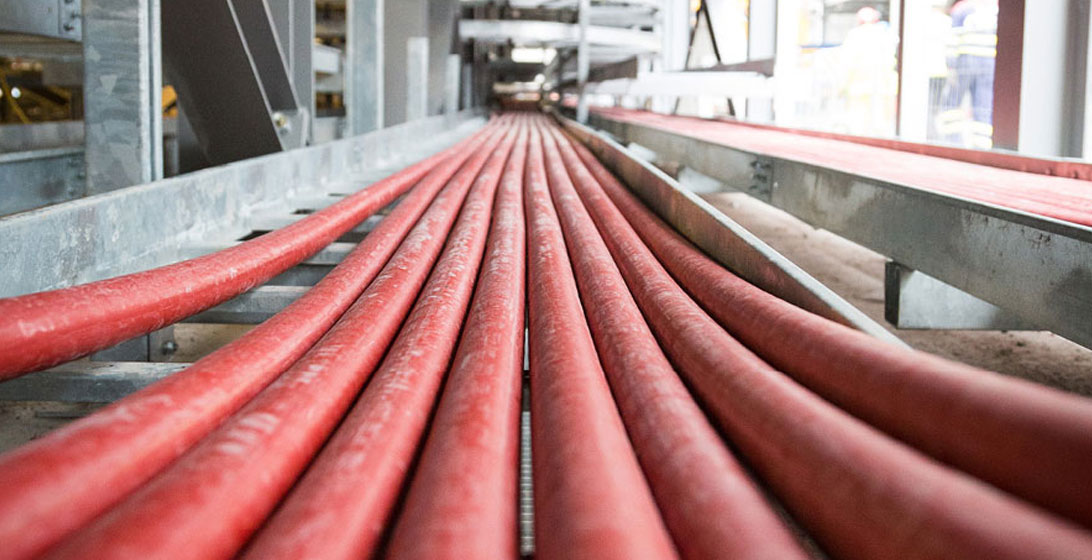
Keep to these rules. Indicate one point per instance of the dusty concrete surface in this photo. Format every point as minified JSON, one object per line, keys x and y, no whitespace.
{"x":857,"y":274}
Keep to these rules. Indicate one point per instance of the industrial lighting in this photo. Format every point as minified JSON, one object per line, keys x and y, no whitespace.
{"x":533,"y":55}
{"x":16,"y":92}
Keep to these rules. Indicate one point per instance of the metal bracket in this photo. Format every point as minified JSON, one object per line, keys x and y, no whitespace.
{"x":61,"y":19}
{"x":761,"y":186}
{"x":915,"y":300}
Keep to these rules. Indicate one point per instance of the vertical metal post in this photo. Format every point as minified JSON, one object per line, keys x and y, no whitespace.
{"x":295,"y":24}
{"x":416,"y":78}
{"x":913,"y":113}
{"x":123,"y":117}
{"x":123,"y":126}
{"x":1052,"y":88}
{"x":364,"y":67}
{"x":1008,"y":67}
{"x":675,"y":35}
{"x":442,"y":31}
{"x":761,"y":45}
{"x":468,"y":85}
{"x":451,"y":83}
{"x":785,"y":65}
{"x":583,"y":60}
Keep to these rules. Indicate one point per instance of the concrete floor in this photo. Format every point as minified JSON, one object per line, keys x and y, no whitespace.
{"x":857,"y":273}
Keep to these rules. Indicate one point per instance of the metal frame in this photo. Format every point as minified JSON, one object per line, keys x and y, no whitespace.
{"x":722,"y":238}
{"x":154,"y":224}
{"x":309,"y":172}
{"x":111,"y":234}
{"x":1037,"y":268}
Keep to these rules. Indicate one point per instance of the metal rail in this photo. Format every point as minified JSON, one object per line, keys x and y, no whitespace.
{"x":100,"y":314}
{"x":722,"y":238}
{"x":1035,"y":267}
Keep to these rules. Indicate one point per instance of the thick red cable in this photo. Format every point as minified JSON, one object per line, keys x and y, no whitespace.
{"x":46,"y":493}
{"x":591,"y":499}
{"x":47,"y":328}
{"x":209,"y":502}
{"x":860,"y":493}
{"x":462,"y":501}
{"x":1033,"y":441}
{"x":710,"y":504}
{"x":343,"y":503}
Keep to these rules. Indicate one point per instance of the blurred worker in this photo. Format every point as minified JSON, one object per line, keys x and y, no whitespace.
{"x":870,"y":81}
{"x":971,"y":59}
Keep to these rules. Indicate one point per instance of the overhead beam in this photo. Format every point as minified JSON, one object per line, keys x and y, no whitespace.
{"x":556,"y":34}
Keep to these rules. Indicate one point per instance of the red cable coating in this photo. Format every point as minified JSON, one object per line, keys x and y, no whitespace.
{"x":46,"y":492}
{"x":340,"y":507}
{"x":1007,"y":431}
{"x":860,"y":493}
{"x":47,"y":328}
{"x":591,"y":499}
{"x":722,"y":516}
{"x":462,"y":501}
{"x":209,"y":502}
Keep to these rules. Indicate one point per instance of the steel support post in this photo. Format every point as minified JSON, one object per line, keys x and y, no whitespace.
{"x":675,"y":38}
{"x":468,"y":85}
{"x":364,"y":69}
{"x":295,"y":25}
{"x":442,"y":30}
{"x":453,"y":68}
{"x":914,"y":78}
{"x":416,"y":78}
{"x":761,"y":45}
{"x":1052,"y":77}
{"x":785,"y":65}
{"x":122,"y":93}
{"x":583,"y":59}
{"x":402,"y":21}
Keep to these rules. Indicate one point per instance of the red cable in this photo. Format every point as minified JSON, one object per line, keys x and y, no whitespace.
{"x":46,"y":492}
{"x":343,"y":503}
{"x":209,"y":502}
{"x":861,"y":494}
{"x":47,"y":328}
{"x":591,"y":500}
{"x":1028,"y":439}
{"x":710,"y":505}
{"x":462,"y":501}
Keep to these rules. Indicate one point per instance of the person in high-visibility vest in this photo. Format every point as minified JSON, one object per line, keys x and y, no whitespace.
{"x":972,"y":56}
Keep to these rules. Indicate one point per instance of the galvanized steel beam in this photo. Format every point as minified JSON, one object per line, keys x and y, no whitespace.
{"x":135,"y":229}
{"x":1038,"y":268}
{"x":721,"y":237}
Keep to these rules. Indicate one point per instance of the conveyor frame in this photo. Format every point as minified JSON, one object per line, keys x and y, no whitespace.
{"x":1037,"y":268}
{"x":133,"y":229}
